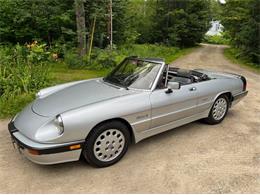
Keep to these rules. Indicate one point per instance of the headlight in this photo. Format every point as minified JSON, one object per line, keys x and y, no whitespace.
{"x":50,"y":131}
{"x":58,"y":121}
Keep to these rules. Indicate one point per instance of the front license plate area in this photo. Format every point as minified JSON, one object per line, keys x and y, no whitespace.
{"x":16,"y":145}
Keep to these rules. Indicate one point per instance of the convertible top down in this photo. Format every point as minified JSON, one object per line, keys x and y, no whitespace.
{"x":99,"y":118}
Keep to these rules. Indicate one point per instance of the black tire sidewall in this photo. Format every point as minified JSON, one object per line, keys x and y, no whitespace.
{"x":211,"y":119}
{"x":88,"y":151}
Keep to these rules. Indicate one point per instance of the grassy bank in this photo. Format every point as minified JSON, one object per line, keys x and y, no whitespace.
{"x":233,"y":55}
{"x":18,"y":87}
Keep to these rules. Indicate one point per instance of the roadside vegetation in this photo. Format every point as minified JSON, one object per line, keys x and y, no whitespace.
{"x":26,"y":69}
{"x":235,"y":56}
{"x":217,"y":39}
{"x":241,"y":20}
{"x":43,"y":43}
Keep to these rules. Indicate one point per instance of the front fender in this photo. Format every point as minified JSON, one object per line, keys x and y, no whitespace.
{"x":79,"y":122}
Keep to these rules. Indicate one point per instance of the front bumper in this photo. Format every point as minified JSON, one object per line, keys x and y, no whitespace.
{"x":45,"y":153}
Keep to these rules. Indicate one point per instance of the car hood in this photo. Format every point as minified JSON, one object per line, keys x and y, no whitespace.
{"x":75,"y":96}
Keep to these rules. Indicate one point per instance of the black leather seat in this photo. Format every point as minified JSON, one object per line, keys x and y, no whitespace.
{"x":181,"y":80}
{"x":183,"y":77}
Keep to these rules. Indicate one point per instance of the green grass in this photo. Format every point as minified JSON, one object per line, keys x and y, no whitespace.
{"x":60,"y":73}
{"x":11,"y":105}
{"x":231,"y":54}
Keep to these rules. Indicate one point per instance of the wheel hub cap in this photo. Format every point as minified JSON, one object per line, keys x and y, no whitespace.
{"x":219,"y":109}
{"x":109,"y":145}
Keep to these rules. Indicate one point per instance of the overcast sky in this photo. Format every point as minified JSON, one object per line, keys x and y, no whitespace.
{"x":222,"y":1}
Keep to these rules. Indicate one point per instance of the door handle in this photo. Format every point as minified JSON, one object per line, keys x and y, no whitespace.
{"x":193,"y":89}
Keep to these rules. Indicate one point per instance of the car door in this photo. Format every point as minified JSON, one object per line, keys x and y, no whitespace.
{"x":207,"y":92}
{"x":171,"y":107}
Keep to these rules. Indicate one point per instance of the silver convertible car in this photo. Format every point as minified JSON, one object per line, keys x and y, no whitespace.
{"x":99,"y":118}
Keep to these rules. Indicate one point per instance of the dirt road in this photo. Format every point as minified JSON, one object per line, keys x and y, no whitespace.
{"x":195,"y":158}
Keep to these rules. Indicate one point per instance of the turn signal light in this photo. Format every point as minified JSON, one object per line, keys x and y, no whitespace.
{"x":33,"y":152}
{"x":73,"y":147}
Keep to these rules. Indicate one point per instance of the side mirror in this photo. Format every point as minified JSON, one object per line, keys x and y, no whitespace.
{"x":172,"y":86}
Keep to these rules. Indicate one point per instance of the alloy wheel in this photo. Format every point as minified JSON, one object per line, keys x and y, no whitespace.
{"x":219,"y":109}
{"x":109,"y":145}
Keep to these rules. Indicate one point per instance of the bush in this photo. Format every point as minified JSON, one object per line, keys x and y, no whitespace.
{"x":72,"y":59}
{"x":10,"y":104}
{"x":102,"y":59}
{"x":151,"y":50}
{"x":237,"y":56}
{"x":23,"y":71}
{"x":106,"y":59}
{"x":216,"y":39}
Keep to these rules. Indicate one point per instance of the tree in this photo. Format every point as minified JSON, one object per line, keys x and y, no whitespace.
{"x":181,"y":23}
{"x":215,"y":10}
{"x":25,"y":20}
{"x":242,"y":22}
{"x":141,"y":20}
{"x":81,"y":26}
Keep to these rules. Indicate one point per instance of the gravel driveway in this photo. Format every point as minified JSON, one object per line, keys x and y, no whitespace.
{"x":195,"y":158}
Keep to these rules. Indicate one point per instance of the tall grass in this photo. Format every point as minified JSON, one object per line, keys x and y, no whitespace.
{"x":23,"y":71}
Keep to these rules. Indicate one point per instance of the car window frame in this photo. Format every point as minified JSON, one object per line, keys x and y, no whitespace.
{"x":155,"y":81}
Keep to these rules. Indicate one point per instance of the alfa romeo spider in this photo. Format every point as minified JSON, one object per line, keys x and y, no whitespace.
{"x":99,"y":118}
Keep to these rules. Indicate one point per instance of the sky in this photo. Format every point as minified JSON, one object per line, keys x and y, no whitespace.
{"x":222,"y":1}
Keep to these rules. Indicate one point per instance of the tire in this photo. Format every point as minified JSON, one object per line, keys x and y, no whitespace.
{"x":218,"y":111}
{"x":106,"y":144}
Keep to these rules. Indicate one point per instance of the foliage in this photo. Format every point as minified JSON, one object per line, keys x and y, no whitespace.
{"x":236,"y":56}
{"x":141,"y":19}
{"x":242,"y":20}
{"x":147,"y":28}
{"x":177,"y":22}
{"x":23,"y":71}
{"x":72,"y":59}
{"x":24,"y":20}
{"x":216,"y":39}
{"x":181,"y":23}
{"x":10,"y":105}
{"x":215,"y":10}
{"x":107,"y":59}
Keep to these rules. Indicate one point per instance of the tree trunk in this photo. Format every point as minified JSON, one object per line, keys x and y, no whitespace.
{"x":92,"y":36}
{"x":81,"y":26}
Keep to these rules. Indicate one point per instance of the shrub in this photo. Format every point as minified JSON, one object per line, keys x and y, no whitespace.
{"x":10,"y":104}
{"x":72,"y":59}
{"x":216,"y":39}
{"x":23,"y":71}
{"x":101,"y":59}
{"x":105,"y":58}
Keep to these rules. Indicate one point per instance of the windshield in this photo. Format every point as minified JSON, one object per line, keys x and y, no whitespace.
{"x":134,"y":73}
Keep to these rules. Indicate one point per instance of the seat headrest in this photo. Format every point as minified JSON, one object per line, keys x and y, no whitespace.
{"x":184,"y":73}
